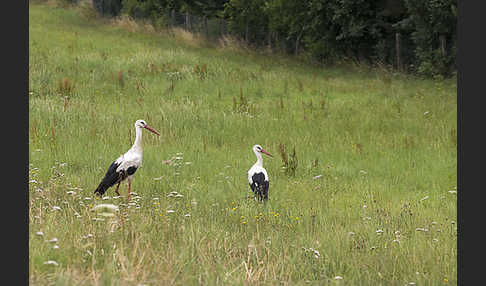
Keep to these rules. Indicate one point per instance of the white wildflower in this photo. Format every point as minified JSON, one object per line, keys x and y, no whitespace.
{"x":338,"y":278}
{"x":51,"y":262}
{"x":105,"y":207}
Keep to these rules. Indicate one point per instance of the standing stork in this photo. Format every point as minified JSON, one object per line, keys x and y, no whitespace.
{"x":257,"y":175}
{"x":126,"y":165}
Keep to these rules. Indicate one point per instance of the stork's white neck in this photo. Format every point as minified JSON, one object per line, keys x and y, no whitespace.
{"x":137,"y":145}
{"x":259,"y":161}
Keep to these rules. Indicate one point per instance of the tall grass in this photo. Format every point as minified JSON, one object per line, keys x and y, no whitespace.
{"x":371,"y":200}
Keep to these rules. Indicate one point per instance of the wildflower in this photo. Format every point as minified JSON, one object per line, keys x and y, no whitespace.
{"x":56,"y":208}
{"x":40,"y":233}
{"x":55,"y":246}
{"x":317,"y":177}
{"x":51,"y":262}
{"x":316,"y":253}
{"x":421,"y":229}
{"x":243,"y":222}
{"x":380,"y":231}
{"x":338,"y":278}
{"x":105,"y":207}
{"x":424,"y":198}
{"x":71,"y":192}
{"x":54,"y":240}
{"x":234,"y":209}
{"x":170,"y":211}
{"x":187,"y":215}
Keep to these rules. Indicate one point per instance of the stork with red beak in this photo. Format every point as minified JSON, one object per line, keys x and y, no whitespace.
{"x":257,"y":175}
{"x":127,"y":164}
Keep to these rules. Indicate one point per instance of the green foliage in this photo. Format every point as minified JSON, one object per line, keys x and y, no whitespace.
{"x":326,"y":31}
{"x":108,"y":7}
{"x":428,"y":21}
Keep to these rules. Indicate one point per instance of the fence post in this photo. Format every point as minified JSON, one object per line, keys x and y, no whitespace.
{"x":221,"y":27}
{"x":205,"y":20}
{"x":442,"y":40}
{"x":188,"y":21}
{"x":397,"y":48}
{"x":172,"y":18}
{"x":246,"y":31}
{"x":269,"y":38}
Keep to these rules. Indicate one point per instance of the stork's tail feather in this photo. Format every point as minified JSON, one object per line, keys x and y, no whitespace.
{"x":101,"y":189}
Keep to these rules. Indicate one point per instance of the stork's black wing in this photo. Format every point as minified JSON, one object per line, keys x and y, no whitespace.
{"x":111,"y":177}
{"x":259,"y":186}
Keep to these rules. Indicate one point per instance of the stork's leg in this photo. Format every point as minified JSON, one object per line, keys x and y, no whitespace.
{"x":116,"y":190}
{"x":129,"y":187}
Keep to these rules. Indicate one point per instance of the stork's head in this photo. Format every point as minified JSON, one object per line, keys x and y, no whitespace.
{"x":258,"y":149}
{"x":142,"y":124}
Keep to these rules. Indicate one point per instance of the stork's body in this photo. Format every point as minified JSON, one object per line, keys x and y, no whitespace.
{"x":257,"y":175}
{"x":126,"y":165}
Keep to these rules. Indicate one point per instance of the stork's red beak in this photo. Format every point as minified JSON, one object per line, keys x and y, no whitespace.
{"x":265,"y":152}
{"x":151,"y":129}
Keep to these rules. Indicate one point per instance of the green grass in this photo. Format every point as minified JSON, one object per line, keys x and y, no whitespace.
{"x":385,"y":145}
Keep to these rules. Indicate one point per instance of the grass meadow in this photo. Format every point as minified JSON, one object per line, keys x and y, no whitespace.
{"x":362,"y":182}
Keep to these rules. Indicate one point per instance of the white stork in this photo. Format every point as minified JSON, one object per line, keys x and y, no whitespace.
{"x":257,"y":175}
{"x":126,"y":165}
